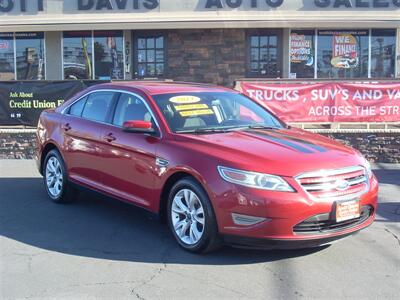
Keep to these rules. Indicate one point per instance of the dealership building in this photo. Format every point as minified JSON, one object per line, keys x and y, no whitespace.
{"x":213,"y":41}
{"x":217,"y":41}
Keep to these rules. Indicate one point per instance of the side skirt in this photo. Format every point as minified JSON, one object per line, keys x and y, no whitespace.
{"x":151,"y":215}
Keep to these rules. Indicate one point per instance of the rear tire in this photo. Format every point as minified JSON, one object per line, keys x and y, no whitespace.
{"x":191,"y":217}
{"x":56,"y":180}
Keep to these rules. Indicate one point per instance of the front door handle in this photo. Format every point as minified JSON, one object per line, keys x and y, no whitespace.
{"x":109,"y":138}
{"x":66,"y":127}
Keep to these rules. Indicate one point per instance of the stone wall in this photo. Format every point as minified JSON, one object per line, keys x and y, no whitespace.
{"x":380,"y":147}
{"x":17,"y":145}
{"x":376,"y":147}
{"x":211,"y":56}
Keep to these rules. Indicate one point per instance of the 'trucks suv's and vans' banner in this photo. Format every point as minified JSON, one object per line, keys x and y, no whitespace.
{"x":328,"y":102}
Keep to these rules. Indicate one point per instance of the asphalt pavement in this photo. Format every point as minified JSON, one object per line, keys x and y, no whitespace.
{"x":97,"y":248}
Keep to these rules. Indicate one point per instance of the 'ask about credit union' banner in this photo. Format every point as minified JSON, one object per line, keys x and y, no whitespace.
{"x":21,"y":102}
{"x":328,"y":102}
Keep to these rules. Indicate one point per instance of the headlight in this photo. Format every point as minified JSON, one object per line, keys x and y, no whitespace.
{"x":368,"y":167}
{"x":255,"y":180}
{"x":366,"y":164}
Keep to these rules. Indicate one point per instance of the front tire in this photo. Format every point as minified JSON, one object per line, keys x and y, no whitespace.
{"x":191,"y":217}
{"x":55,"y":179}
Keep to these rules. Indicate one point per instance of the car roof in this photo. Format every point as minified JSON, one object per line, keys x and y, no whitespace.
{"x":164,"y":87}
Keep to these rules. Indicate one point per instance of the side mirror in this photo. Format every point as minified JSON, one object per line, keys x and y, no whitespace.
{"x":139,"y":127}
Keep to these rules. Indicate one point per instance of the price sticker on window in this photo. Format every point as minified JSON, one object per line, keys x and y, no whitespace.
{"x":191,"y":107}
{"x":185,"y":99}
{"x":195,"y":113}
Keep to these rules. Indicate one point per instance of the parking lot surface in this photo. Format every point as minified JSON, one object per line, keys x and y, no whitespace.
{"x":97,"y":248}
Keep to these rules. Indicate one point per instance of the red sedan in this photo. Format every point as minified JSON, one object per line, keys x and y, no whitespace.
{"x":218,"y":166}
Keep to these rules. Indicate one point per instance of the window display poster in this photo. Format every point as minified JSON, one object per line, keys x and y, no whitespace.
{"x":301,"y":49}
{"x":345,"y":51}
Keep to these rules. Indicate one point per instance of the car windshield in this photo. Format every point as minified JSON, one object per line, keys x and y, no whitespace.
{"x":213,"y":112}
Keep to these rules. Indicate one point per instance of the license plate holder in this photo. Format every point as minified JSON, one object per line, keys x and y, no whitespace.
{"x":347,"y":210}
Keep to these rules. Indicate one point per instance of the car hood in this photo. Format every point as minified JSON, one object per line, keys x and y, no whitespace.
{"x":285,"y":152}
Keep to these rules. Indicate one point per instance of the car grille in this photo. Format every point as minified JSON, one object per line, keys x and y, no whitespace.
{"x":325,"y":184}
{"x":323,"y":223}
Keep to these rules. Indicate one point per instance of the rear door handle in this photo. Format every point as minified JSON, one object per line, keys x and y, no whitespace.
{"x":66,"y":127}
{"x":109,"y":138}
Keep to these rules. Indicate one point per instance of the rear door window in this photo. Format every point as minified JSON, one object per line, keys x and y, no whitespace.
{"x":98,"y":106}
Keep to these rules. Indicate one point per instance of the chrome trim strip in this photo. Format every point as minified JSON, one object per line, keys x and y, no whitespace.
{"x":333,"y":172}
{"x":330,"y":186}
{"x":341,"y":198}
{"x":358,"y":181}
{"x":245,"y":220}
{"x":64,"y":111}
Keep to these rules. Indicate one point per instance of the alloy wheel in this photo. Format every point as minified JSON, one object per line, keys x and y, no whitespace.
{"x":54,"y":177}
{"x":188,"y":217}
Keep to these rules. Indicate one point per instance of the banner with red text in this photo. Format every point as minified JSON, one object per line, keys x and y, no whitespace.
{"x":328,"y":102}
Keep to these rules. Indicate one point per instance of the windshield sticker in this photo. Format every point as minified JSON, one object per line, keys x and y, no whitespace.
{"x":191,"y":107}
{"x":194,"y":113}
{"x":184,"y":99}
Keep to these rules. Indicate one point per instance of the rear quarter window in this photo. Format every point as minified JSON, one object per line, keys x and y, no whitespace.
{"x":76,"y":109}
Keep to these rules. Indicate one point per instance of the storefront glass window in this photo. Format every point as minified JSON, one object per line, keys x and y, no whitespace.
{"x":343,"y":54}
{"x":383,"y":53}
{"x":7,"y":63}
{"x":30,"y":56}
{"x":77,"y":54}
{"x":264,"y":55}
{"x":302,"y":54}
{"x":108,"y":55}
{"x":150,"y":56}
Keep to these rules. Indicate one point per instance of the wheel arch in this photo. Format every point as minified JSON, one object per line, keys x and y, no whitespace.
{"x":170,"y":182}
{"x":46,"y":149}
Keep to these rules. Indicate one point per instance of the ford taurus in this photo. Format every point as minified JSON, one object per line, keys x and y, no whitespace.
{"x":216,"y":165}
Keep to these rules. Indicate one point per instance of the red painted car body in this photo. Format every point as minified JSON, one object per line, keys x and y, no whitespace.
{"x":126,"y":168}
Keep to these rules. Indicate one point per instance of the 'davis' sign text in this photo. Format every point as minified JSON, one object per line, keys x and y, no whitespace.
{"x":121,"y":4}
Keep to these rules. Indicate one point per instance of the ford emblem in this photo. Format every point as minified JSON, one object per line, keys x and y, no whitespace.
{"x":342,"y":185}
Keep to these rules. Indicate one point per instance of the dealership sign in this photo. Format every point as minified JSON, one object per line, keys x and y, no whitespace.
{"x":328,"y":102}
{"x":7,"y":6}
{"x":23,"y":5}
{"x":317,"y":3}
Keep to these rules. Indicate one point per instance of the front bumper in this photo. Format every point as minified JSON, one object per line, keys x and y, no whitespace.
{"x":286,"y":217}
{"x":271,"y":244}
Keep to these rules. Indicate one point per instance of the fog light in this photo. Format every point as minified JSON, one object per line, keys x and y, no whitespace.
{"x":245,"y":220}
